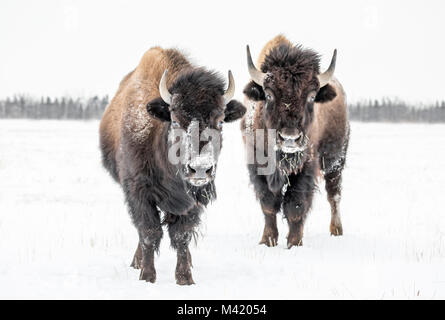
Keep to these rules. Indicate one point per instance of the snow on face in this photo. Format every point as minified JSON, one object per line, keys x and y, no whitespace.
{"x":187,"y":142}
{"x":249,"y":117}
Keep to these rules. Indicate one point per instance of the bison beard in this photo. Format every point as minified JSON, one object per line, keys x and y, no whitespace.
{"x":291,"y":163}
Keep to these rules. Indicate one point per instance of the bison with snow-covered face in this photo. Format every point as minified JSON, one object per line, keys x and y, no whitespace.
{"x":146,"y":138}
{"x":308,"y":111}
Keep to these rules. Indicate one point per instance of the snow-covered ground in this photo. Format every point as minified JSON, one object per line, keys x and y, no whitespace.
{"x":65,"y":232}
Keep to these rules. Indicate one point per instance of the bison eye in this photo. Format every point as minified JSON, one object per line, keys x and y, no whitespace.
{"x":175,"y":124}
{"x":269,"y":95}
{"x":311,"y":97}
{"x":220,"y":124}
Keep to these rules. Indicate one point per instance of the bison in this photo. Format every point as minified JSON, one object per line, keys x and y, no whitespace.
{"x":163,"y":95}
{"x":308,"y":111}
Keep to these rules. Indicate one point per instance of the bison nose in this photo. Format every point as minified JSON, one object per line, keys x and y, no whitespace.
{"x":201,"y":171}
{"x":291,"y":141}
{"x":293,"y":135}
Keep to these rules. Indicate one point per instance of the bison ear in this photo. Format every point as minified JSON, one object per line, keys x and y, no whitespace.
{"x":325,"y":94}
{"x":254,"y":91}
{"x":234,"y":111}
{"x":159,"y":109}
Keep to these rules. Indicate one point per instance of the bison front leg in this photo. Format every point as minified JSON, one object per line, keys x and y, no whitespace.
{"x":181,"y":230}
{"x":297,"y":203}
{"x":270,"y":205}
{"x":146,"y":219}
{"x":270,"y":232}
{"x":150,"y":235}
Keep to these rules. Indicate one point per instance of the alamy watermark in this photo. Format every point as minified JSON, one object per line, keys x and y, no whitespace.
{"x":191,"y":147}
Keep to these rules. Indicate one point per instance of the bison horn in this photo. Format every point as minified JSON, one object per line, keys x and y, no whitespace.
{"x":165,"y":95}
{"x":256,"y":75}
{"x":228,"y":95}
{"x":325,"y":77}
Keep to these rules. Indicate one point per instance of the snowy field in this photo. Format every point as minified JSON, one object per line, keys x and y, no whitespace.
{"x":65,"y":232}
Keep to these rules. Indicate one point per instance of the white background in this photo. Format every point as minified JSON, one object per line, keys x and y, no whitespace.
{"x":386,"y":48}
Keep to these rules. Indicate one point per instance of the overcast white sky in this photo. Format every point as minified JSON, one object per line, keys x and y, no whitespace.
{"x":386,"y":48}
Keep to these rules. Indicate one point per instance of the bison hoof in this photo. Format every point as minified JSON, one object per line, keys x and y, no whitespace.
{"x":184,"y":278}
{"x":270,"y":237}
{"x":336,"y":230}
{"x":296,"y":244}
{"x":136,"y":263}
{"x":148,"y":275}
{"x":269,"y":241}
{"x":296,"y":241}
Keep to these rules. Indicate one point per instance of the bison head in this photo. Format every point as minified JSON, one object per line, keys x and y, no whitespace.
{"x":290,"y":84}
{"x":196,"y":107}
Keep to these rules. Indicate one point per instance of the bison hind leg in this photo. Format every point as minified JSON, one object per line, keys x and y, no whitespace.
{"x":335,"y":227}
{"x":332,"y":162}
{"x":333,"y":188}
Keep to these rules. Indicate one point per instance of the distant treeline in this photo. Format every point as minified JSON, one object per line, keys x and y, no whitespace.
{"x":392,"y":110}
{"x":384,"y":110}
{"x":23,"y":107}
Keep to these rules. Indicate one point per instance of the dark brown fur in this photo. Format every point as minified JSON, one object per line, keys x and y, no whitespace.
{"x":292,"y":77}
{"x":134,"y":144}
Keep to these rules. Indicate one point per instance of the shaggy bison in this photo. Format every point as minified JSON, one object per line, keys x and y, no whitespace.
{"x":308,"y":111}
{"x":165,"y":95}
